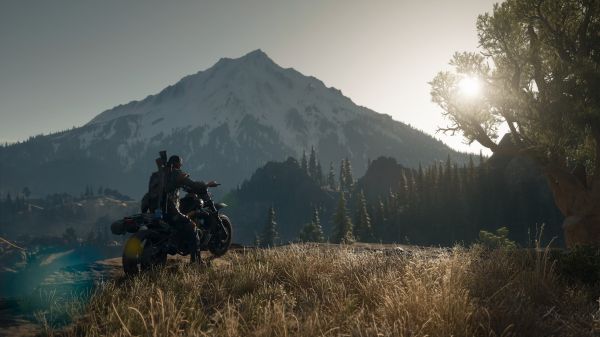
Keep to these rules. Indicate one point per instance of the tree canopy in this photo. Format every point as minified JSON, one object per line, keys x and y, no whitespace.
{"x":538,"y":75}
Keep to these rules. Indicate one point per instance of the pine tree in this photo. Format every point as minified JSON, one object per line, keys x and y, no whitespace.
{"x":471,"y":170}
{"x":379,"y":221}
{"x":343,"y":175}
{"x":256,"y":240}
{"x":319,"y":177}
{"x":392,"y":214}
{"x":270,"y":237}
{"x":342,"y":231}
{"x":331,"y":178}
{"x":349,"y":183}
{"x":313,"y":232}
{"x":312,"y":163}
{"x":362,"y":228}
{"x":448,"y":174}
{"x":304,"y":163}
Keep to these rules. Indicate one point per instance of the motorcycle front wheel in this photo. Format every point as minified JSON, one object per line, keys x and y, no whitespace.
{"x":219,"y":243}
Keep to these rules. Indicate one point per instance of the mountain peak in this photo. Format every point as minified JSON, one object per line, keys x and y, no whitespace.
{"x":256,"y":54}
{"x":256,"y":57}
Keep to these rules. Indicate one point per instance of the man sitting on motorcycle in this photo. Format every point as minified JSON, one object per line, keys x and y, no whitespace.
{"x":175,"y":179}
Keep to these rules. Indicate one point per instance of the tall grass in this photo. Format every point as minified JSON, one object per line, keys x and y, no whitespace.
{"x":304,"y":290}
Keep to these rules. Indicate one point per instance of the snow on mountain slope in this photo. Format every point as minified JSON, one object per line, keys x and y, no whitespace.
{"x":299,"y":107}
{"x":225,"y":121}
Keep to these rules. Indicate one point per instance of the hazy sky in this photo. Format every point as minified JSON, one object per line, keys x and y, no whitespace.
{"x":63,"y":62}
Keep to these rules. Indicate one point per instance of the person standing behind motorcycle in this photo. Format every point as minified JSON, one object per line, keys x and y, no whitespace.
{"x":174,"y":180}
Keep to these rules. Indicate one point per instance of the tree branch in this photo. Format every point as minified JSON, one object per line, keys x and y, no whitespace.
{"x":534,"y":57}
{"x":483,"y":139}
{"x":582,"y":36}
{"x":558,"y":35}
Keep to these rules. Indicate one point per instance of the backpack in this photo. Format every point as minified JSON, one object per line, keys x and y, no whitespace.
{"x":156,"y":185}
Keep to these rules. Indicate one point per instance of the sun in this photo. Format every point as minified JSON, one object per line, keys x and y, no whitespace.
{"x":469,"y":86}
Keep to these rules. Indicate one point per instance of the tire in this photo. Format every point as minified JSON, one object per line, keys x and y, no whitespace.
{"x":152,"y":257}
{"x":218,"y":247}
{"x":140,"y":255}
{"x":132,"y":253}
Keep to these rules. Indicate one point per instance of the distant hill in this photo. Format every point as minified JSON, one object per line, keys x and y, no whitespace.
{"x":226,"y":122}
{"x":286,"y":187}
{"x":383,"y":176}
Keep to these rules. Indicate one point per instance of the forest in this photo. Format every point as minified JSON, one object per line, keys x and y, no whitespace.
{"x":441,"y":204}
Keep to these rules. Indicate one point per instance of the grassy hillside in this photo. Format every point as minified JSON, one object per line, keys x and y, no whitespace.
{"x":304,"y":290}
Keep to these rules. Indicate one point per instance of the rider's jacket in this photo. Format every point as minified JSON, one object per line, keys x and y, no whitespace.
{"x":176,"y":179}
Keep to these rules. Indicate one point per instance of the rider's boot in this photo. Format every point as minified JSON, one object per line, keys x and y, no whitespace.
{"x":195,"y":250}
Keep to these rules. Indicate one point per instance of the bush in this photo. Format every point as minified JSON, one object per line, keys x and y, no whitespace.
{"x":498,"y":240}
{"x":581,"y":264}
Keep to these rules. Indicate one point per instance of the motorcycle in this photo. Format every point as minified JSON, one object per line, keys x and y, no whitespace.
{"x":153,"y":239}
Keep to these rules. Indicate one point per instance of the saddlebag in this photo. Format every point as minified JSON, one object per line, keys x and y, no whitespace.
{"x":118,"y":227}
{"x":125,"y":225}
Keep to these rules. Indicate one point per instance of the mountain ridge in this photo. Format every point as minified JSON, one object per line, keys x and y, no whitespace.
{"x":225,"y":121}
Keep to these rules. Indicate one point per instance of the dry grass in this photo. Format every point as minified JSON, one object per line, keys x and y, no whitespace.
{"x":314,"y":291}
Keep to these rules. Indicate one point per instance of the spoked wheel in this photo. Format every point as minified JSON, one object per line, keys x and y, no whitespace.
{"x":139,"y":254}
{"x":220,"y":242}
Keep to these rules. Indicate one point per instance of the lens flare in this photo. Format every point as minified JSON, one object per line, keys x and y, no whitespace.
{"x":469,"y":86}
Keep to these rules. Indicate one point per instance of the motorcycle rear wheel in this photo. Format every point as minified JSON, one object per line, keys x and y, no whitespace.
{"x":140,"y":255}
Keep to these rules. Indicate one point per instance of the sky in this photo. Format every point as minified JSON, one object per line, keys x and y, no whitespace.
{"x":64,"y":62}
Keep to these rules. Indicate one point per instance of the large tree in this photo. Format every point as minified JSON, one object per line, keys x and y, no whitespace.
{"x":538,"y":75}
{"x":342,"y":225}
{"x":312,"y":231}
{"x":362,"y":228}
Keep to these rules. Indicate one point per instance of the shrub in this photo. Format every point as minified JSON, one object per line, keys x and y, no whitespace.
{"x":498,"y":240}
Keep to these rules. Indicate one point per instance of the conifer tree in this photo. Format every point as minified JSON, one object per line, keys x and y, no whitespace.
{"x":304,"y":163}
{"x":312,"y":163}
{"x":342,"y":231}
{"x":270,"y":236}
{"x":391,"y":215}
{"x":471,"y":170}
{"x":362,"y":228}
{"x":312,"y":231}
{"x":319,"y":176}
{"x":331,"y":178}
{"x":348,"y":174}
{"x":256,"y":240}
{"x":448,"y":175}
{"x":379,"y":221}
{"x":343,"y":178}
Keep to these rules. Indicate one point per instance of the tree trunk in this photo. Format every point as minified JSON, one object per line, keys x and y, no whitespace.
{"x":579,"y":204}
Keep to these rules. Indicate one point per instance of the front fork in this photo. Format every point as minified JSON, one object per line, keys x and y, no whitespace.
{"x":215,"y":213}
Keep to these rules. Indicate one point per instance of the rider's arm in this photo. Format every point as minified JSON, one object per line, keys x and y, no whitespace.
{"x":184,"y":181}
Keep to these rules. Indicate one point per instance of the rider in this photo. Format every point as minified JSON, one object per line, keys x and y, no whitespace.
{"x":174,"y":179}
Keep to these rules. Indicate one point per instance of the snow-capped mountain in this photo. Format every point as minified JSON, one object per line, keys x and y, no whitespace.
{"x":225,"y":122}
